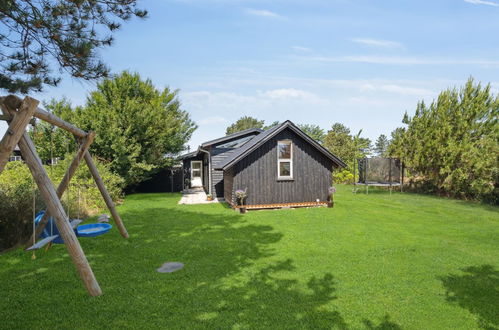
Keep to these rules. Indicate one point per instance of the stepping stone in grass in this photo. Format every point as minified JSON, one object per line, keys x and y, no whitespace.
{"x":170,"y":267}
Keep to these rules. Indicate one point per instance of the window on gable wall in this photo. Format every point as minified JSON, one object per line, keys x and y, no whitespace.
{"x":284,"y":160}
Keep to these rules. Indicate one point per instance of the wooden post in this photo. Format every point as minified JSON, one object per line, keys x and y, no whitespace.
{"x":390,"y":173}
{"x":13,"y":102}
{"x":55,"y":207}
{"x":365,"y":176}
{"x":354,"y":170}
{"x":9,"y":118}
{"x":65,"y":182}
{"x":105,"y":194}
{"x":17,"y":127}
{"x":402,"y":180}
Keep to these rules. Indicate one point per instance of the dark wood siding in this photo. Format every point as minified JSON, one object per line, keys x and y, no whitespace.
{"x":217,"y":176}
{"x":257,"y":173}
{"x":228,"y":184}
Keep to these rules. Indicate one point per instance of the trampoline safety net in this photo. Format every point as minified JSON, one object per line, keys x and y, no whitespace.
{"x":379,"y":170}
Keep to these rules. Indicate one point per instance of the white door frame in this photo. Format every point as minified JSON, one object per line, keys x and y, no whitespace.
{"x":200,"y":170}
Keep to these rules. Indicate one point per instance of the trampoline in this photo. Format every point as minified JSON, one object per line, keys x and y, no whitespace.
{"x":380,"y":172}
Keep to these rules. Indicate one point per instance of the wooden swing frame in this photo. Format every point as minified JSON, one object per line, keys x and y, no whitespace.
{"x":18,"y":114}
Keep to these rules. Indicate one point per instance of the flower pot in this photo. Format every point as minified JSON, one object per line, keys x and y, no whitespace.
{"x":242,"y":210}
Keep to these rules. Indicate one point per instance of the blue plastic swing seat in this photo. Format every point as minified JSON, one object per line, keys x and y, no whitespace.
{"x":87,"y":230}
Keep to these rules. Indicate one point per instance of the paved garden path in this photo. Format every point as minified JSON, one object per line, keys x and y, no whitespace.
{"x":194,"y":196}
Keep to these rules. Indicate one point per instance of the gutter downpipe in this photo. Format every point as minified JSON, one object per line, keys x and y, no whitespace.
{"x":209,"y":168}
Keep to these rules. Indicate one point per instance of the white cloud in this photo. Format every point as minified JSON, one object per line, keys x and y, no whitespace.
{"x":292,"y":95}
{"x":394,"y":88}
{"x":212,"y":120}
{"x":400,"y":60}
{"x":262,"y":13}
{"x":378,"y":43}
{"x":302,"y":49}
{"x":483,"y":2}
{"x":307,"y":100}
{"x":288,"y":93}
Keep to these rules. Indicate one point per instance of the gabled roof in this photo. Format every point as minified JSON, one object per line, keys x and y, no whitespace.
{"x":232,"y":136}
{"x":263,"y":137}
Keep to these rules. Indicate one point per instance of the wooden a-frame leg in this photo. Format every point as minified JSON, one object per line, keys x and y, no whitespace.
{"x":55,"y":207}
{"x":17,"y":127}
{"x":64,"y":182}
{"x":105,"y":195}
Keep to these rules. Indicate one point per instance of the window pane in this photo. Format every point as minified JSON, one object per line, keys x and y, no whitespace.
{"x":284,"y":150}
{"x":196,"y":172}
{"x":285,"y":169}
{"x":196,"y":165}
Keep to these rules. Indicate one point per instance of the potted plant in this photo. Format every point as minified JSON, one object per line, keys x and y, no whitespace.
{"x":331,"y":192}
{"x":241,"y":199}
{"x":209,"y":197}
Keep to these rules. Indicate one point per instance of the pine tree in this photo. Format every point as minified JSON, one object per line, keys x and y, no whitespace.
{"x":381,"y":145}
{"x":40,"y":40}
{"x":453,"y":144}
{"x":348,"y":148}
{"x":314,"y":131}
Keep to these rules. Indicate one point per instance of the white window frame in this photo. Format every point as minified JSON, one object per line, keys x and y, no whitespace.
{"x":285,"y":160}
{"x":15,"y":159}
{"x":200,"y":162}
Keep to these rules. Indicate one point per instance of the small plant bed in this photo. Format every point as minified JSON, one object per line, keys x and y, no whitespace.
{"x":280,"y":206}
{"x":377,"y":261}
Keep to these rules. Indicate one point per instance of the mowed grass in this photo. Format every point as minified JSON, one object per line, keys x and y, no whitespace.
{"x":377,"y":261}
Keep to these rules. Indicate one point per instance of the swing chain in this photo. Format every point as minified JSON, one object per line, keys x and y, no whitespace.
{"x":33,"y":255}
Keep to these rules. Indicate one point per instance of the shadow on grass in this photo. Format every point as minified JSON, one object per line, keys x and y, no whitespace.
{"x":385,"y":324}
{"x":477,"y":290}
{"x":266,"y":300}
{"x":232,"y":277}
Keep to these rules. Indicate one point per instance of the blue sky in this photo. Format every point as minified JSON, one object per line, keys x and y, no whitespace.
{"x":361,"y":63}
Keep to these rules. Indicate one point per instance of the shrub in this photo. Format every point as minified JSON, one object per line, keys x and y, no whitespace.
{"x":16,"y":197}
{"x":343,"y":176}
{"x":83,"y":185}
{"x":16,"y":204}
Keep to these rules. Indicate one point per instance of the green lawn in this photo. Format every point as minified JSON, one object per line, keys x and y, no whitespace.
{"x":374,"y":261}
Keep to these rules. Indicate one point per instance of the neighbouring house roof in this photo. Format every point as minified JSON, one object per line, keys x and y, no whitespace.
{"x":264,"y":136}
{"x":232,"y":136}
{"x":189,"y":155}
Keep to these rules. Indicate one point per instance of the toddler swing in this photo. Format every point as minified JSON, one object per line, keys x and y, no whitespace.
{"x":53,"y":236}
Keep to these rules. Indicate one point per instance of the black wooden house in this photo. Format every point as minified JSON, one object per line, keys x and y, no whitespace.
{"x":281,"y":166}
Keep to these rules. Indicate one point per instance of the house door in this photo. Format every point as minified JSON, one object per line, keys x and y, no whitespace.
{"x":196,"y":173}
